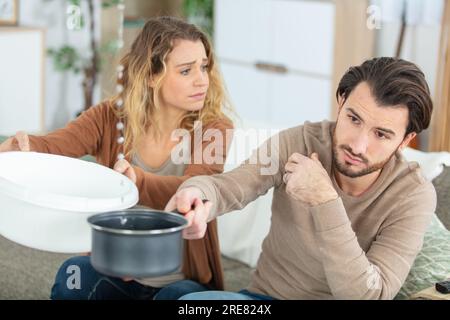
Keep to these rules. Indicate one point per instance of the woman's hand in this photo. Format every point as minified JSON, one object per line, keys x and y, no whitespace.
{"x":124,"y":167}
{"x":19,"y":142}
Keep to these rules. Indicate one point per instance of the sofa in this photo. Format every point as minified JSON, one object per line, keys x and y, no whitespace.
{"x":28,"y":274}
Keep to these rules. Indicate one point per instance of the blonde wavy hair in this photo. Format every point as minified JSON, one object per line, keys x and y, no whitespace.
{"x":138,"y":103}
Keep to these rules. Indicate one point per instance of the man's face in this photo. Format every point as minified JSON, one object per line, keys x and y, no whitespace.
{"x":366,"y":134}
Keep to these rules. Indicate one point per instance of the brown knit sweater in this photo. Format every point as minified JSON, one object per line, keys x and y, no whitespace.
{"x":94,"y":132}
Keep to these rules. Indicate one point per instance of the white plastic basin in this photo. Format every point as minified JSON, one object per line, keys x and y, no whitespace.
{"x":45,"y":199}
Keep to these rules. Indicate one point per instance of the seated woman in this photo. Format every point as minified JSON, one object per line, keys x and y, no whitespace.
{"x":167,"y":81}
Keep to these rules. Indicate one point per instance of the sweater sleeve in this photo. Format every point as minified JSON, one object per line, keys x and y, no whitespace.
{"x":235,"y":189}
{"x":380,"y":272}
{"x":79,"y":137}
{"x":155,"y":190}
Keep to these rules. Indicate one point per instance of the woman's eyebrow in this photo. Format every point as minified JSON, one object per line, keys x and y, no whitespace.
{"x":190,"y":63}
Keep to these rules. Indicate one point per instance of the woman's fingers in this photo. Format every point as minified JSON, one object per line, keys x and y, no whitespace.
{"x":23,"y":141}
{"x":20,"y":142}
{"x":7,"y":145}
{"x":124,"y":167}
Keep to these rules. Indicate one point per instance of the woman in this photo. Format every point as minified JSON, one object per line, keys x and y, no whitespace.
{"x":167,"y":81}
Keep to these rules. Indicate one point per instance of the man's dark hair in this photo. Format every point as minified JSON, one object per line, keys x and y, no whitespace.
{"x":393,"y":82}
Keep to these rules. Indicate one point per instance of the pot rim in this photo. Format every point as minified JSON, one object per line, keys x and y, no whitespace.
{"x":137,"y":232}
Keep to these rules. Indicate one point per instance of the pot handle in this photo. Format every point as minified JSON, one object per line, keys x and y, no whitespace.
{"x":177,"y":212}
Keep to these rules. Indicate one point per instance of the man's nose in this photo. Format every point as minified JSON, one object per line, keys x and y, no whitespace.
{"x":359,"y":144}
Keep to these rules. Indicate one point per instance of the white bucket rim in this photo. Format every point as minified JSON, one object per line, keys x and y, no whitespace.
{"x":129,"y":197}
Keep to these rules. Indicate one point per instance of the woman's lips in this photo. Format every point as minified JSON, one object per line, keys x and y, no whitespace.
{"x":350,"y":159}
{"x":198,"y":96}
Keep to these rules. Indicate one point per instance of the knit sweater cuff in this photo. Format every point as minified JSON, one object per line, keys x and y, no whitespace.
{"x":208,"y":192}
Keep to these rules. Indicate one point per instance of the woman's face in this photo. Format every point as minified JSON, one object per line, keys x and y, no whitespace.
{"x":186,"y":82}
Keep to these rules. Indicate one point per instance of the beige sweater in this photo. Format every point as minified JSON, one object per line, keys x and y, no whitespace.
{"x":350,"y":248}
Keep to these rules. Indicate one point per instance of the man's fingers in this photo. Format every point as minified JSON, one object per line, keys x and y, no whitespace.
{"x":172,"y":204}
{"x":296,"y":157}
{"x":315,"y":156}
{"x":199,"y":216}
{"x":200,"y":212}
{"x":286,"y":177}
{"x":23,"y":141}
{"x":190,"y":218}
{"x":290,"y":167}
{"x":184,"y":201}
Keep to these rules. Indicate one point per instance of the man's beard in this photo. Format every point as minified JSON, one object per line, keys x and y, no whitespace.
{"x":345,"y":169}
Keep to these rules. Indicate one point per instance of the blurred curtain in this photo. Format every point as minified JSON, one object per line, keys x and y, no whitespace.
{"x":418,"y":12}
{"x":440,"y":128}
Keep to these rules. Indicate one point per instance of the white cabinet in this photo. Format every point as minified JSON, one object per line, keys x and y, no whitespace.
{"x":242,"y":29}
{"x":295,"y":99}
{"x":248,"y":89}
{"x":277,"y":58}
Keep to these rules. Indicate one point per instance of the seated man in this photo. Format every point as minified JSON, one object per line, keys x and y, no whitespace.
{"x":348,"y":212}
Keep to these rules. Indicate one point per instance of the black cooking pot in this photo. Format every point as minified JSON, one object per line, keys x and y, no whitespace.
{"x":137,"y":242}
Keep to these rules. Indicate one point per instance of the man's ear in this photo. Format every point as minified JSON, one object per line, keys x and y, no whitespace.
{"x":407,"y":140}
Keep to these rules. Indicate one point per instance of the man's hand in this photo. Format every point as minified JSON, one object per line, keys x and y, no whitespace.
{"x":188,"y":202}
{"x":19,"y":142}
{"x":307,"y":180}
{"x":124,"y":167}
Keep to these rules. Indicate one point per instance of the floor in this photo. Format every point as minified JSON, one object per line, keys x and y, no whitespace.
{"x":29,"y":274}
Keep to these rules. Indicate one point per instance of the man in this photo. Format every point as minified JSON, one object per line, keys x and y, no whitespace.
{"x":348,"y":212}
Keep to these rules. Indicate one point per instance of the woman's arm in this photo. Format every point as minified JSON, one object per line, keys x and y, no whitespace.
{"x":80,"y":137}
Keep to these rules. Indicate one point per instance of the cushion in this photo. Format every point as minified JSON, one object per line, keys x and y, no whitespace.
{"x":442,"y":186}
{"x":432,"y":264}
